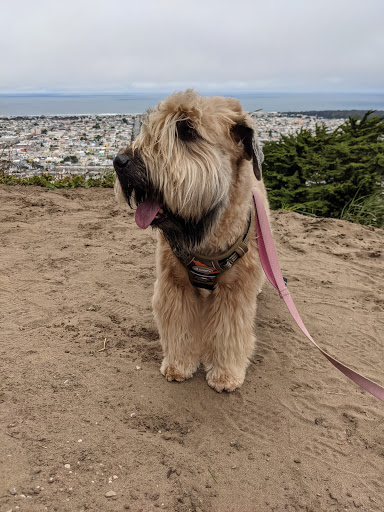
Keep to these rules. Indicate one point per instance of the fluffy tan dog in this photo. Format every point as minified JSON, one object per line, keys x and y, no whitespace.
{"x":190,"y":173}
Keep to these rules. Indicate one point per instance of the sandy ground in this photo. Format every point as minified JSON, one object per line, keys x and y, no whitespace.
{"x":78,"y":421}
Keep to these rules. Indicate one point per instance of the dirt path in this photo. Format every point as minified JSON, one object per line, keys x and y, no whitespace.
{"x":80,"y":419}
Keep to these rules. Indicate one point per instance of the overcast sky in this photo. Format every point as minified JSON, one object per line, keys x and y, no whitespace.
{"x":221,"y":45}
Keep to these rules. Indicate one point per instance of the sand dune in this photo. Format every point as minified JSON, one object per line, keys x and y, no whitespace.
{"x":76,"y":272}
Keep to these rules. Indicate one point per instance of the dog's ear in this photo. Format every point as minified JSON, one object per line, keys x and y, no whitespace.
{"x":244,"y":134}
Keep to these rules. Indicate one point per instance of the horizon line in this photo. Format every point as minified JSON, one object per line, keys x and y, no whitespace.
{"x":169,"y":91}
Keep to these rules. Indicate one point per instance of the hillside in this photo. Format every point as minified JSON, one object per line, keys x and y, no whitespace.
{"x":80,"y":382}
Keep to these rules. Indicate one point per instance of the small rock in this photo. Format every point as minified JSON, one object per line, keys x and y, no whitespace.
{"x":13,"y":491}
{"x":51,"y":480}
{"x":297,"y":461}
{"x":133,"y":415}
{"x":79,"y":440}
{"x":67,"y":466}
{"x":110,"y":494}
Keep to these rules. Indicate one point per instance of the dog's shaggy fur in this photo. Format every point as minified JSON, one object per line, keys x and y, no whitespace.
{"x":197,"y":157}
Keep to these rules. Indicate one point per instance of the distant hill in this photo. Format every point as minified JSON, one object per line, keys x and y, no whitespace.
{"x":335,"y":114}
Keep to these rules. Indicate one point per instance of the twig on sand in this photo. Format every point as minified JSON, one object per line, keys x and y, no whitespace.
{"x":104,"y":347}
{"x":212,"y":475}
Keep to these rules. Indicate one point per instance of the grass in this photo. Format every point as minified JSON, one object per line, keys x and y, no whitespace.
{"x":366,"y":210}
{"x":299,"y":208}
{"x":106,"y":180}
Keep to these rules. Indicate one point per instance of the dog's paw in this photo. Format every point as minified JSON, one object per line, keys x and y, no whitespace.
{"x":171,"y":373}
{"x":177,"y":373}
{"x":221,"y":380}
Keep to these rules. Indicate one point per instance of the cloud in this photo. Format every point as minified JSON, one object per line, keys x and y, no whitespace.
{"x":122,"y":45}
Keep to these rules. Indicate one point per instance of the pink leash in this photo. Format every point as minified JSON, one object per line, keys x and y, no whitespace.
{"x":270,"y":264}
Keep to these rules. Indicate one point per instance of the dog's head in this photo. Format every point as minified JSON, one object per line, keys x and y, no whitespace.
{"x":181,"y":167}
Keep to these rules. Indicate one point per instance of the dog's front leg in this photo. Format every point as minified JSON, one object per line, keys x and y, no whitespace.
{"x":229,"y":336}
{"x":175,"y":311}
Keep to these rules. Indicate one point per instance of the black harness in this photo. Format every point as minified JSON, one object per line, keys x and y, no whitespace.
{"x":203,"y":272}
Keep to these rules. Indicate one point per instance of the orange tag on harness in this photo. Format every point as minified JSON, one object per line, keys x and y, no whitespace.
{"x":199,"y":267}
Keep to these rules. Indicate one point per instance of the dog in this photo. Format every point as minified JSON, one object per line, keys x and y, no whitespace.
{"x":190,"y":173}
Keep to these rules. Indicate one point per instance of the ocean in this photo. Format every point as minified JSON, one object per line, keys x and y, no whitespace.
{"x":134,"y":103}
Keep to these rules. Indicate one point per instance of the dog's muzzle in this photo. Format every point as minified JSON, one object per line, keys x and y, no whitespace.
{"x":133,"y":178}
{"x":132,"y":174}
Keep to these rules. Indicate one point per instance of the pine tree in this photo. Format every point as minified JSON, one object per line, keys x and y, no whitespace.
{"x":323,"y":172}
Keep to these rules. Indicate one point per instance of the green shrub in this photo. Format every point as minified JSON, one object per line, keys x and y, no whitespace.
{"x":322,"y":173}
{"x":106,"y":180}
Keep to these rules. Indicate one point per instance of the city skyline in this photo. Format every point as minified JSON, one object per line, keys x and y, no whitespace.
{"x":87,"y":144}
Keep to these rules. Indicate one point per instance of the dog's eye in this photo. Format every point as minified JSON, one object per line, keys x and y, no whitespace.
{"x":185,"y":131}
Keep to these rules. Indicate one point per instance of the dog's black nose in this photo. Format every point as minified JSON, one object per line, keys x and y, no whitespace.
{"x":121,"y":160}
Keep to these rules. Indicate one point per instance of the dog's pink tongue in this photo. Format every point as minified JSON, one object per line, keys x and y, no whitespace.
{"x":145,"y":213}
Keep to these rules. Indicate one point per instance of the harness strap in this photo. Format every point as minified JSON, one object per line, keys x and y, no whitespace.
{"x":203,"y":272}
{"x":270,"y":264}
